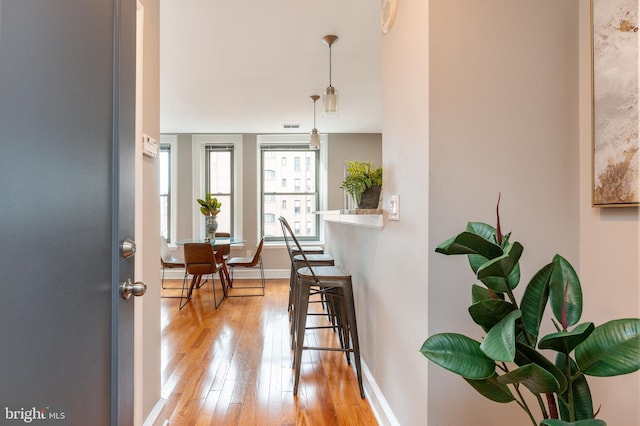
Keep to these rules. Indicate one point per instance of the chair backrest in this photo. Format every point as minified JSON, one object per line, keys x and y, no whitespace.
{"x":226,"y":248}
{"x":199,"y":259}
{"x":289,"y":235}
{"x":256,"y":256}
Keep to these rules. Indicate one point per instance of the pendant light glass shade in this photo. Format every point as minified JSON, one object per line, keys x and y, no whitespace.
{"x":314,"y":141}
{"x":330,"y":100}
{"x":330,"y":95}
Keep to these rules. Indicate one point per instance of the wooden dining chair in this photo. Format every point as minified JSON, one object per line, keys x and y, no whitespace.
{"x":201,"y":262}
{"x":168,"y":261}
{"x":248,"y":262}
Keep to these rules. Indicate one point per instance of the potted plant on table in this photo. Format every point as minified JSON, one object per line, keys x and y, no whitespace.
{"x":510,"y":358}
{"x":364,"y":183}
{"x":210,"y":207}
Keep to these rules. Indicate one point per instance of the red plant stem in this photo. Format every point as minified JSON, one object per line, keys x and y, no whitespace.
{"x":498,"y":230}
{"x":553,"y":408}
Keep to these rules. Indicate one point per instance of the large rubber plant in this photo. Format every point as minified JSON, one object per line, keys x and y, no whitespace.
{"x":513,"y":358}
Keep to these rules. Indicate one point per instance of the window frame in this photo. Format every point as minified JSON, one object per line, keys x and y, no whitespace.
{"x":291,"y":140}
{"x":198,"y":147}
{"x":172,"y":142}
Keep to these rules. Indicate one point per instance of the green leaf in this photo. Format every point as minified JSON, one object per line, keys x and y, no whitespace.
{"x":582,"y":402}
{"x":486,"y":231}
{"x":534,"y":301}
{"x":469,"y":243}
{"x":562,"y":272}
{"x":566,"y":341}
{"x":500,"y":342}
{"x":480,"y":293}
{"x":459,"y":354}
{"x":496,"y":284}
{"x":492,"y":389}
{"x":555,"y":422}
{"x":612,"y":349}
{"x":526,"y":354}
{"x":535,"y":378}
{"x":488,"y":313}
{"x":502,"y":266}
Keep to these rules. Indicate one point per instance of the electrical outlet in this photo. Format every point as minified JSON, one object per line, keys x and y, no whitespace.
{"x":394,"y":207}
{"x":248,"y":253}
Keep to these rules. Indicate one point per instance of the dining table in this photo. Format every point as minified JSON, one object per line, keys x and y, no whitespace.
{"x":215,"y":242}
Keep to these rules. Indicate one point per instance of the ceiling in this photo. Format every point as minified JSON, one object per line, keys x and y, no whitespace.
{"x":250,"y":66}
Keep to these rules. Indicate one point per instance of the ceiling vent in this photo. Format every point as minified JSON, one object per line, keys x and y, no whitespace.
{"x":291,"y":126}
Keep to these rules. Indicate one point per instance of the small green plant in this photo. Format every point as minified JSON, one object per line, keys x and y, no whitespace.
{"x":360,"y":177}
{"x":510,"y":359}
{"x":210,"y":206}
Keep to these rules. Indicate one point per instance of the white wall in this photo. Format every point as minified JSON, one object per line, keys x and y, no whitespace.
{"x":389,"y":266}
{"x":609,"y":258}
{"x":504,"y":114}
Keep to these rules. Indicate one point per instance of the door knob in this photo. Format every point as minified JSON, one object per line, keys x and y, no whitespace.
{"x":128,"y":248}
{"x":129,"y":288}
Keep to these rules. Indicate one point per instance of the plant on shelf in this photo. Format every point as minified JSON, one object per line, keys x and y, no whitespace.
{"x":363,"y":182}
{"x":210,"y":206}
{"x":510,"y":357}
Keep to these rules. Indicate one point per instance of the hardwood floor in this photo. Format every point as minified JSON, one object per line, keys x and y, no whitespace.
{"x":233,"y":366}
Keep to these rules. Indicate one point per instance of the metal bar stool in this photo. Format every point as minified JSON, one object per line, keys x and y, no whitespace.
{"x":334,"y":283}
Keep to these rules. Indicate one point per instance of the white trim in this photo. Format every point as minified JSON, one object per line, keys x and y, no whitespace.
{"x":379,"y":405}
{"x":153,"y":415}
{"x":172,"y":141}
{"x":198,"y":143}
{"x":239,"y":273}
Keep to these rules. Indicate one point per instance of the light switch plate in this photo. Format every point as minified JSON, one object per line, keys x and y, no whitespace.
{"x":394,"y":207}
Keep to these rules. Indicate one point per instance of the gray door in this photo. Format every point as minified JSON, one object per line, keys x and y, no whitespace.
{"x":67,"y":98}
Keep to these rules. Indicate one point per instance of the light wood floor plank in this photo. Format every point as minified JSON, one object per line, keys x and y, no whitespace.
{"x":233,"y":366}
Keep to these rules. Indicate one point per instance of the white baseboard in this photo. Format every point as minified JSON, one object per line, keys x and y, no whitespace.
{"x":153,"y":415}
{"x":377,"y":401}
{"x":240,"y":273}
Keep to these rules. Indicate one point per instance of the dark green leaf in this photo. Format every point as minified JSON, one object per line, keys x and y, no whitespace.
{"x":566,"y":341}
{"x":492,"y":389}
{"x":479,"y":293}
{"x":535,"y":378}
{"x":469,"y":243}
{"x":497,"y":284}
{"x":562,"y":273}
{"x":612,"y":349}
{"x":555,"y":422}
{"x":500,"y":342}
{"x":526,"y":355}
{"x":486,"y":231}
{"x":488,"y":313}
{"x":459,"y":354}
{"x":502,"y":266}
{"x":534,"y":301}
{"x":582,"y":402}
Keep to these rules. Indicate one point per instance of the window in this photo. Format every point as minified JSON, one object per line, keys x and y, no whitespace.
{"x":164,"y":158}
{"x":218,"y":166}
{"x":217,"y":169}
{"x":168,"y":165}
{"x":306,"y":224}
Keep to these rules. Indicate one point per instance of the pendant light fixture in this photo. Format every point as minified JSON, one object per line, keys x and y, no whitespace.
{"x":314,"y":142}
{"x":330,"y":95}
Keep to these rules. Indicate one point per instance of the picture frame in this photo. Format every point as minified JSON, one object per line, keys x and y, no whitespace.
{"x":615,"y":91}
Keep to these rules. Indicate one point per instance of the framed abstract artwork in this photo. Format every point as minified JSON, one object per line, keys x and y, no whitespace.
{"x":615,"y":66}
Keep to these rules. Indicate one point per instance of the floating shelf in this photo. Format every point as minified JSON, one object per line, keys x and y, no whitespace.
{"x":368,"y":218}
